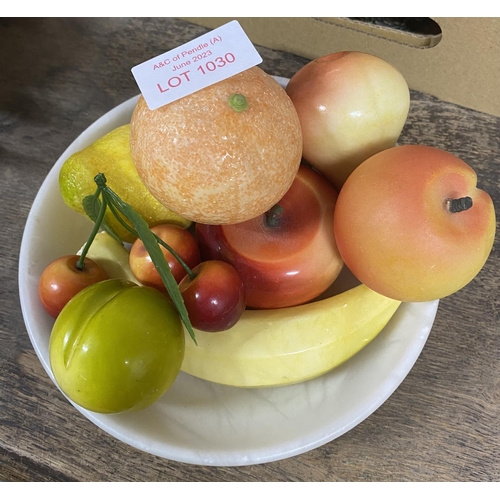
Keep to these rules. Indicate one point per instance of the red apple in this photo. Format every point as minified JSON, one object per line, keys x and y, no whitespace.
{"x":180,"y":240}
{"x":287,"y":256}
{"x":411,"y":224}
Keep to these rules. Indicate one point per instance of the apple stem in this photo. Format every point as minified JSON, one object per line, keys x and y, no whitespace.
{"x":456,"y":205}
{"x":272,"y":218}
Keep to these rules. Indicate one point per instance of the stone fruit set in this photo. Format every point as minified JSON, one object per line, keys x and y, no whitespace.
{"x":223,"y":220}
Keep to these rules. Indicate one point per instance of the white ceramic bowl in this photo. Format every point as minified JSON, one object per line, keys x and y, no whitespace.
{"x":200,"y":422}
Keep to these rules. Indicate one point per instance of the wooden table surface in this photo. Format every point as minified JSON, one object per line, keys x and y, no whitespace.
{"x":57,"y":76}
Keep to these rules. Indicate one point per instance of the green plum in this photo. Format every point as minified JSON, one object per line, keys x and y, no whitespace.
{"x":116,"y":346}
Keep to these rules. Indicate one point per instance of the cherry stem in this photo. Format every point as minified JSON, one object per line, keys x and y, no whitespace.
{"x":100,"y":180}
{"x":100,"y":217}
{"x":456,"y":205}
{"x":272,"y":216}
{"x":151,"y":242}
{"x":192,"y":275}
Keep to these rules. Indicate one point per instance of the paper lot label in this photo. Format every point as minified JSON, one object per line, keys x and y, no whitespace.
{"x":206,"y":60}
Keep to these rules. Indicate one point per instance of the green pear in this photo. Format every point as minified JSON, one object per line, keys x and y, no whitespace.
{"x":111,"y":156}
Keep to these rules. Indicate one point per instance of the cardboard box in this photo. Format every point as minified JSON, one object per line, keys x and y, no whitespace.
{"x":460,"y":65}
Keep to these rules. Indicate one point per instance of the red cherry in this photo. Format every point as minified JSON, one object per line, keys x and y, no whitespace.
{"x":180,"y":240}
{"x":215,"y":298}
{"x":62,"y":279}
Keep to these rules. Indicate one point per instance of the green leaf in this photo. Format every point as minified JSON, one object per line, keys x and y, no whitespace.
{"x":92,"y":206}
{"x":153,"y":248}
{"x":120,"y":219}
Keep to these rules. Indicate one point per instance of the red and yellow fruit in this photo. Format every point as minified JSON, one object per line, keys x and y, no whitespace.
{"x":62,"y":279}
{"x":351,"y":105}
{"x":182,"y":243}
{"x":411,"y":224}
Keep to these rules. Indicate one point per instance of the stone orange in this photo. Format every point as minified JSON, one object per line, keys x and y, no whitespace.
{"x":212,"y":162}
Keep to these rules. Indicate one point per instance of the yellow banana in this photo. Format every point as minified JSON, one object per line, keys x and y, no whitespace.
{"x":277,"y":346}
{"x":285,"y":346}
{"x":111,"y":255}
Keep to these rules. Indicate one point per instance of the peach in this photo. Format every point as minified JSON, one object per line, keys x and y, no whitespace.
{"x":351,"y":105}
{"x":411,"y":224}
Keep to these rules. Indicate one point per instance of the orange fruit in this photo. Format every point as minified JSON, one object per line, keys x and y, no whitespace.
{"x":211,"y":163}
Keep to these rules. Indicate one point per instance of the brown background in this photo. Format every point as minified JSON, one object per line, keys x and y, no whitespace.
{"x":460,"y":65}
{"x":443,"y":423}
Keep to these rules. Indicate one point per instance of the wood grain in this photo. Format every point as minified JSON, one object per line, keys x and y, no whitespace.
{"x":443,"y":422}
